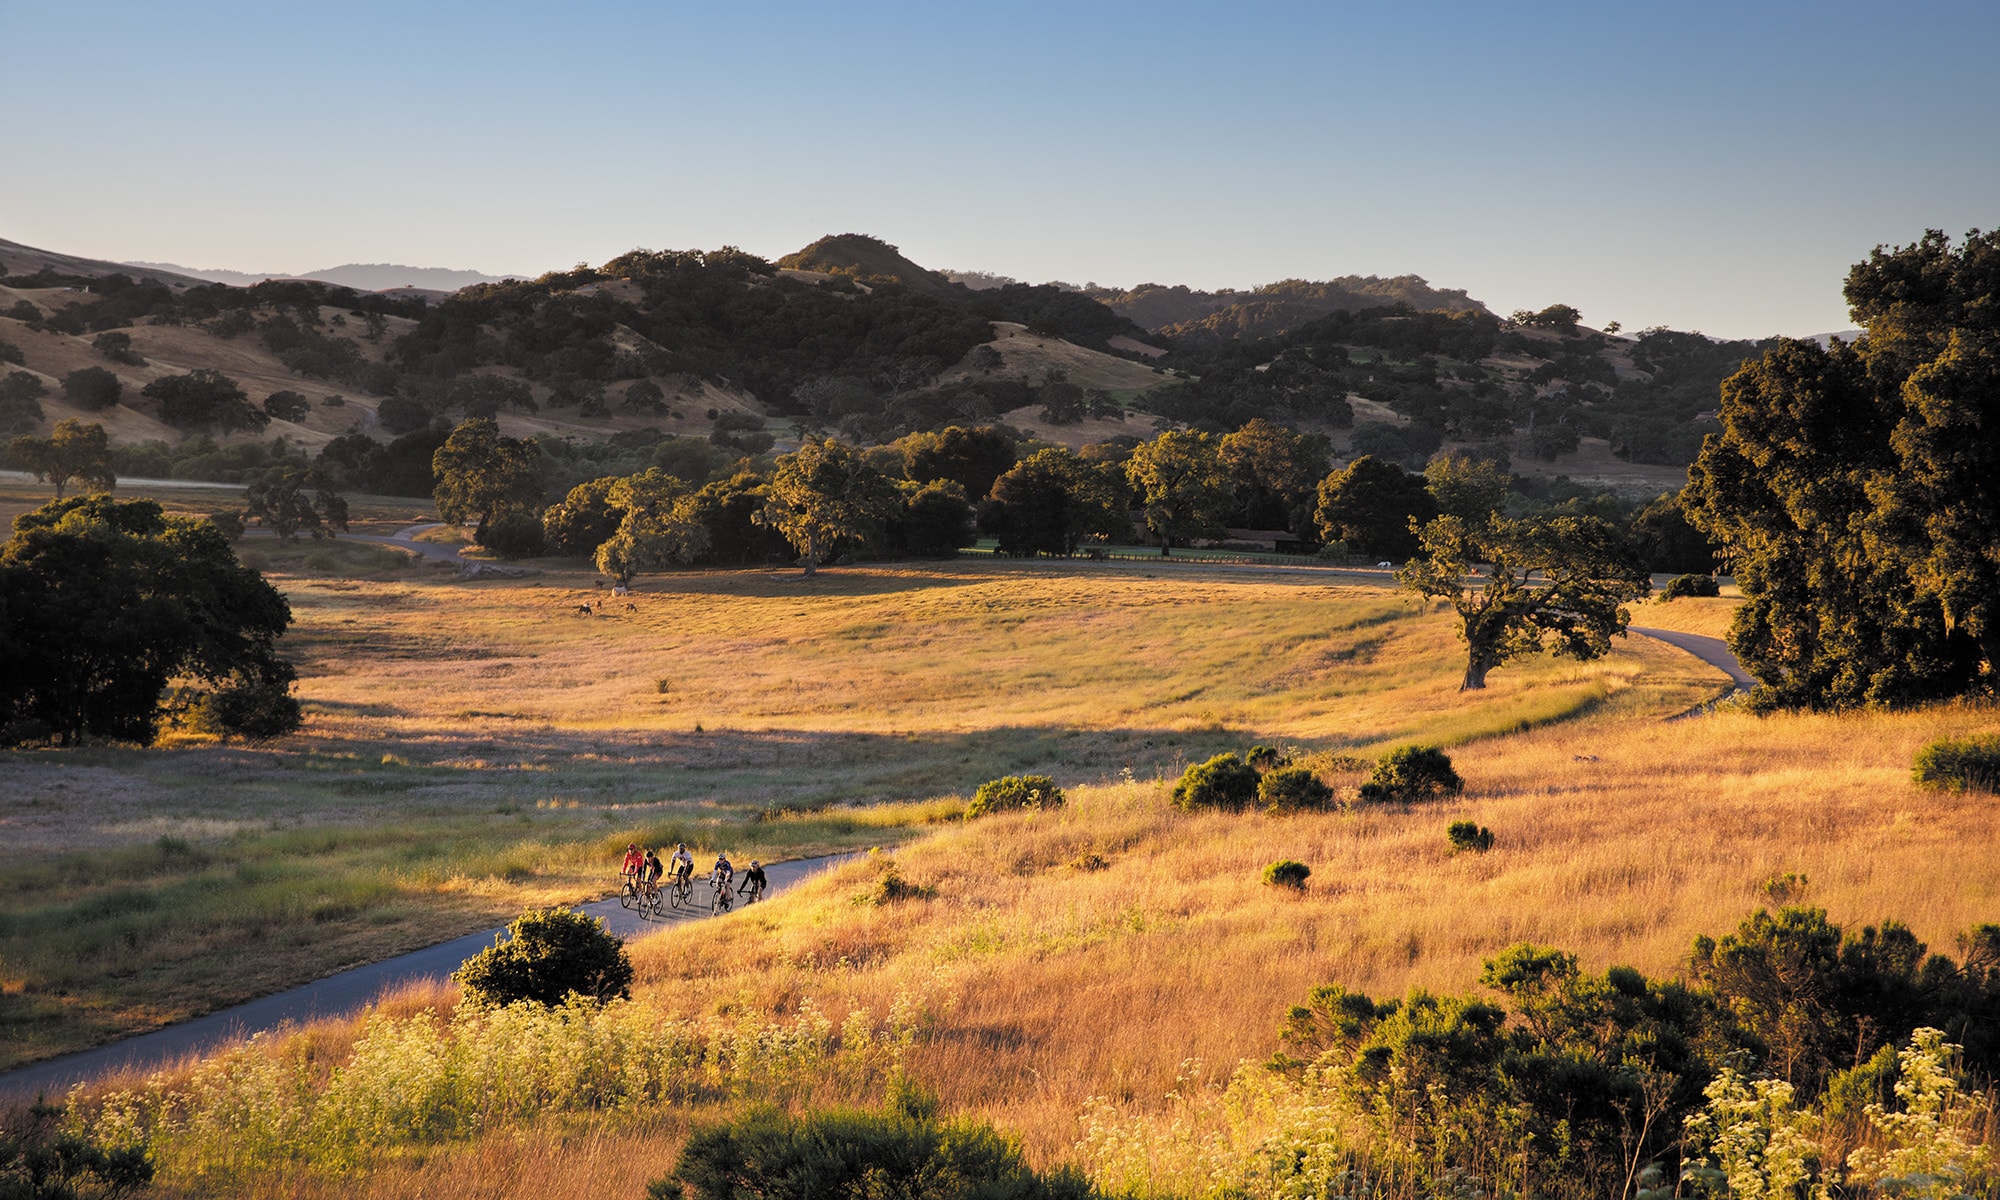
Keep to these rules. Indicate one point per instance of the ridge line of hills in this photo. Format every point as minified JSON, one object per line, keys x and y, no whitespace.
{"x":848,"y":336}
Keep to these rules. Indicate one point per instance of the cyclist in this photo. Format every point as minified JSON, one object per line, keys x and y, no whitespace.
{"x":683,"y":862}
{"x":650,"y":873}
{"x":722,"y":873}
{"x":634,"y":863}
{"x":753,"y":881}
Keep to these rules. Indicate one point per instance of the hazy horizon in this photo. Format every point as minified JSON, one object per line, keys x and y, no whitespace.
{"x":1704,"y":168}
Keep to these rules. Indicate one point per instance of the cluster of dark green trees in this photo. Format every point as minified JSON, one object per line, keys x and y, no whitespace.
{"x":1578,"y":1082}
{"x":859,"y":355}
{"x":1856,"y":488}
{"x":115,"y":617}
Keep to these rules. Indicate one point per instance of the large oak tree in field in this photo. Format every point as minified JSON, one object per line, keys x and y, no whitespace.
{"x":1181,"y":483}
{"x":481,"y":474}
{"x":1551,"y":583}
{"x":1857,"y":489}
{"x":823,"y":494}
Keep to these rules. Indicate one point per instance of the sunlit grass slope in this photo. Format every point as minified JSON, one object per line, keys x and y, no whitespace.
{"x":1057,"y":962}
{"x":474,"y":747}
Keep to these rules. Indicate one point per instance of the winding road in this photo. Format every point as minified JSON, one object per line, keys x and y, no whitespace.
{"x":337,"y":995}
{"x":1713,"y":651}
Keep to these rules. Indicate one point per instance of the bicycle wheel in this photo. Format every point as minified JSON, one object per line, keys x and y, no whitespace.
{"x":627,"y":895}
{"x":684,"y":893}
{"x":722,"y":899}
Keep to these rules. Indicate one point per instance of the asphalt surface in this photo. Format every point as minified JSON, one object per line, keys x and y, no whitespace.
{"x":1713,"y":651}
{"x":338,"y":995}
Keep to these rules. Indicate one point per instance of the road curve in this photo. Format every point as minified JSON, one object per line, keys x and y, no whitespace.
{"x":1713,"y":651}
{"x":336,"y":995}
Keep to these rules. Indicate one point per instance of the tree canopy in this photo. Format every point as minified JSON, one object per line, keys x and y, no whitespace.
{"x":1371,"y":503}
{"x":823,"y":494}
{"x":1857,"y":488}
{"x":105,"y":602}
{"x":481,"y":474}
{"x":278,"y":500}
{"x":72,"y":453}
{"x":1553,"y":583}
{"x":1051,"y":501}
{"x":1181,"y":485}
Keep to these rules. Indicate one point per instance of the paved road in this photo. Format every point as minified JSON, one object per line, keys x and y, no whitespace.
{"x":335,"y":995}
{"x":1713,"y":651}
{"x":402,"y":539}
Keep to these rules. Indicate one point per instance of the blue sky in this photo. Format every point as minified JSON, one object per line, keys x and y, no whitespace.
{"x":1700,"y":166}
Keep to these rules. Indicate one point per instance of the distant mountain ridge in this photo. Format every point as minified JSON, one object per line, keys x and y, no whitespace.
{"x":362,"y":277}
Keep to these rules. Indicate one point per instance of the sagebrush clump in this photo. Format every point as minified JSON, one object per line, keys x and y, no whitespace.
{"x":1225,"y":781}
{"x":1960,"y":764}
{"x":1293,"y":789}
{"x":1287,"y":873}
{"x":1468,"y":835}
{"x":1014,"y":791}
{"x":550,"y":956}
{"x":1412,"y":773}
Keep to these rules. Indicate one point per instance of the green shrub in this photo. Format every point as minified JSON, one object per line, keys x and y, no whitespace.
{"x":1014,"y":791}
{"x":41,"y":1160}
{"x":892,"y":887}
{"x":253,"y":709}
{"x":1293,"y":789}
{"x":1266,"y":758}
{"x":901,"y":1151}
{"x":1690,"y":585}
{"x":1287,"y":873}
{"x":549,"y":955}
{"x":1412,"y":773}
{"x":1224,"y":781}
{"x":1466,"y":835}
{"x":1960,"y":764}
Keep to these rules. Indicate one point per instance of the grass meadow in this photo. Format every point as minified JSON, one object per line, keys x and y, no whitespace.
{"x":476,"y":746}
{"x":1086,"y":978}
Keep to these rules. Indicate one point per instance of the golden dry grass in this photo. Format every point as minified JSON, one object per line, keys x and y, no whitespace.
{"x":1618,"y":839}
{"x":473,"y":747}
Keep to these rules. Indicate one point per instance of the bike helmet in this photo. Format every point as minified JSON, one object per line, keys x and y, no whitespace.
{"x":755,"y":863}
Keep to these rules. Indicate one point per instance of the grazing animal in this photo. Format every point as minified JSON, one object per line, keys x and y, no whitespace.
{"x":631,"y":607}
{"x":585,"y":609}
{"x":620,"y":589}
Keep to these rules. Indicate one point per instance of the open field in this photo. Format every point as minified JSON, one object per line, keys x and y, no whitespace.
{"x":475,"y":746}
{"x":1061,"y":971}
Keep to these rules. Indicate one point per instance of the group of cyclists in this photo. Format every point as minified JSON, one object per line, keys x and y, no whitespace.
{"x":642,"y":873}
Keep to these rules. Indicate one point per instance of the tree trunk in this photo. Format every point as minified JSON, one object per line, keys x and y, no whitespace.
{"x":812,"y":556}
{"x":1477,"y":663}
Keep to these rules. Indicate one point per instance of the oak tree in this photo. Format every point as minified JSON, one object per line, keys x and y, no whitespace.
{"x":1552,"y":583}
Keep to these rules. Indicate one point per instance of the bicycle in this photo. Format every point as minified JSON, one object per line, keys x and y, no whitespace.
{"x":628,"y":891}
{"x":756,"y":890}
{"x":652,"y":902}
{"x":723,"y":899}
{"x":682,"y":891}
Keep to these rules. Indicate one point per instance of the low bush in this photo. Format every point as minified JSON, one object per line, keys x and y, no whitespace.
{"x":902,"y":1151}
{"x":1287,"y":873}
{"x":252,"y":709}
{"x":1293,"y":789}
{"x":549,"y":955}
{"x":1690,"y":585}
{"x":1412,"y":773}
{"x":1467,"y":835}
{"x":892,"y":888}
{"x":1960,"y":764}
{"x":92,"y":388}
{"x":1014,"y":791}
{"x":42,"y":1160}
{"x":1224,"y":781}
{"x":1266,"y":758}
